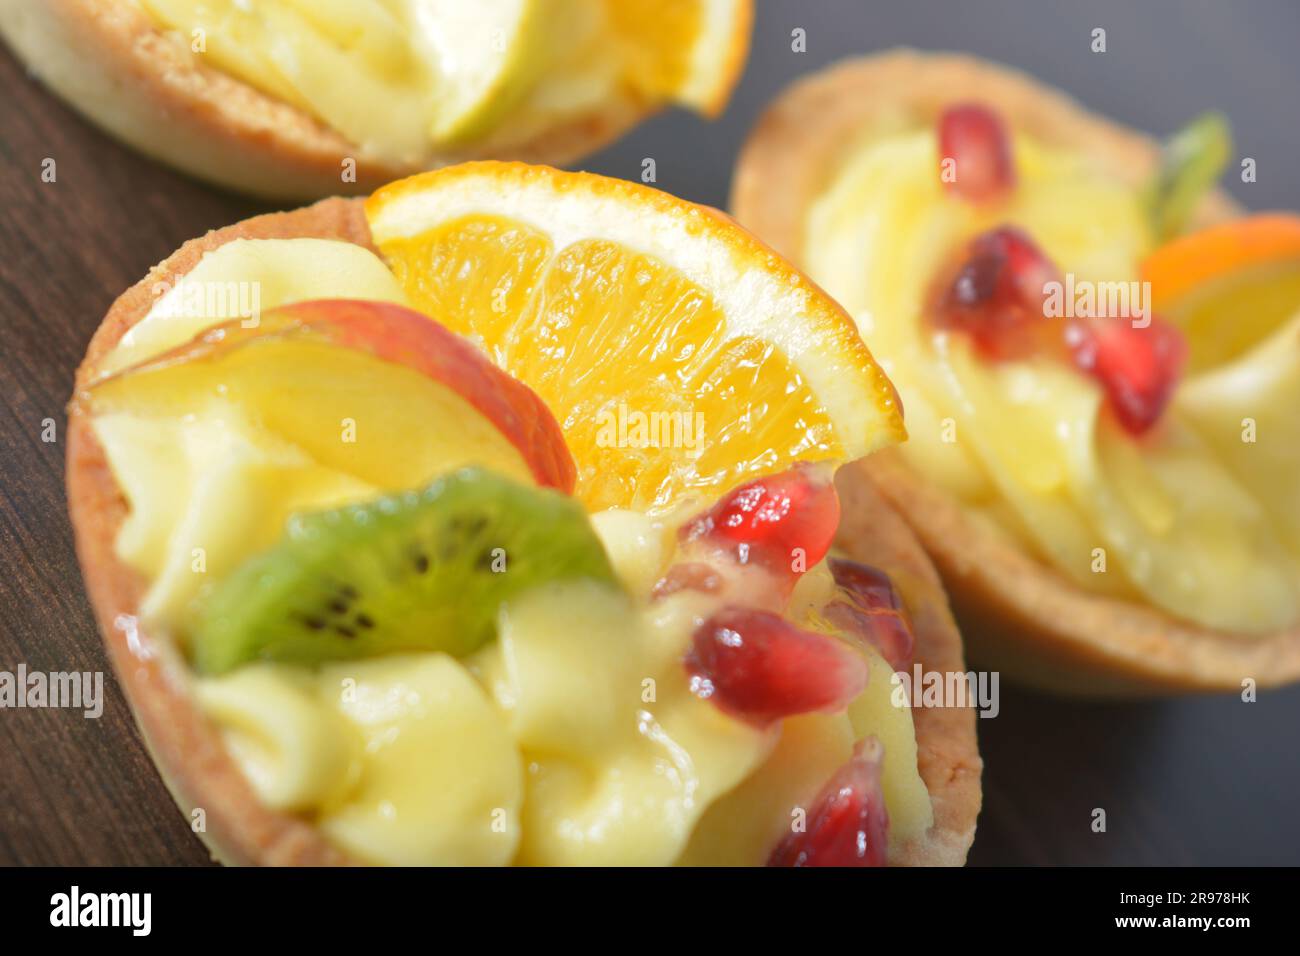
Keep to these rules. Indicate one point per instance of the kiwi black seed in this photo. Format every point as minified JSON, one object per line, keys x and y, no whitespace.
{"x":408,"y":572}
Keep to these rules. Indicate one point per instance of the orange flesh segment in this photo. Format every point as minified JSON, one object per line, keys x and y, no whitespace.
{"x":663,"y":35}
{"x":604,"y":334}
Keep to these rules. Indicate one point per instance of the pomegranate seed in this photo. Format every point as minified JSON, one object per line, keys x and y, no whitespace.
{"x":848,"y":824}
{"x":758,"y":666}
{"x":871,"y":609}
{"x":997,"y":294}
{"x":974,"y":137}
{"x":688,"y":576}
{"x":768,"y":520}
{"x":1137,"y":367}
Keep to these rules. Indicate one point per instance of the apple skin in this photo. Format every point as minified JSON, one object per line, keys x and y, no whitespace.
{"x":399,"y":335}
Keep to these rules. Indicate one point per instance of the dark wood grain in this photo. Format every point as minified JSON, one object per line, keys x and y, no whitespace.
{"x":1183,"y":782}
{"x":72,"y":790}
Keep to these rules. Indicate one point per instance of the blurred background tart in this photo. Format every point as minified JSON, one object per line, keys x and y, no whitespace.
{"x":1108,"y":485}
{"x":294,"y":99}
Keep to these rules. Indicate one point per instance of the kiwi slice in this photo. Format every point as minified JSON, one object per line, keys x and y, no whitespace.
{"x":1191,"y":161}
{"x":423,"y":570}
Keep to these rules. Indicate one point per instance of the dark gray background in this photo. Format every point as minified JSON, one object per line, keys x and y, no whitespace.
{"x":1166,"y":61}
{"x":1189,"y":781}
{"x":1208,"y":780}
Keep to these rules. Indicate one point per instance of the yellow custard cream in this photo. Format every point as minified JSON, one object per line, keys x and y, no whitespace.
{"x":571,"y":738}
{"x":1189,"y":518}
{"x":401,"y":78}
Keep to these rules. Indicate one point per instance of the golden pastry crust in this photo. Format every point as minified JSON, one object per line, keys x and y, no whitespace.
{"x":872,"y":531}
{"x":188,"y":749}
{"x":112,"y":63}
{"x":185,"y":745}
{"x":1017,"y":614}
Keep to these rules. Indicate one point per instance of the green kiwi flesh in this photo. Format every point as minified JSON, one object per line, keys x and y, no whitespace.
{"x":419,"y":571}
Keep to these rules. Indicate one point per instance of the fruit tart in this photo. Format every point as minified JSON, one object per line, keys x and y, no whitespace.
{"x":309,"y":98}
{"x":492,"y":520}
{"x":1099,"y":355}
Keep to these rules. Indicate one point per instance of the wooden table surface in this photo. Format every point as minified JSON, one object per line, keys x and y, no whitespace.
{"x":1205,"y":780}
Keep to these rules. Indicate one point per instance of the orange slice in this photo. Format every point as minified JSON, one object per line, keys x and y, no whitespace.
{"x":680,"y":355}
{"x":1180,"y":266}
{"x":688,"y":51}
{"x":1229,"y":286}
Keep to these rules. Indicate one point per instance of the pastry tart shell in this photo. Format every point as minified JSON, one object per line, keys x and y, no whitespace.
{"x":187,"y":748}
{"x":119,"y":69}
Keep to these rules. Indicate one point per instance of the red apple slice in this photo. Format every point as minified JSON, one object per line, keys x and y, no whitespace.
{"x":369,"y":388}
